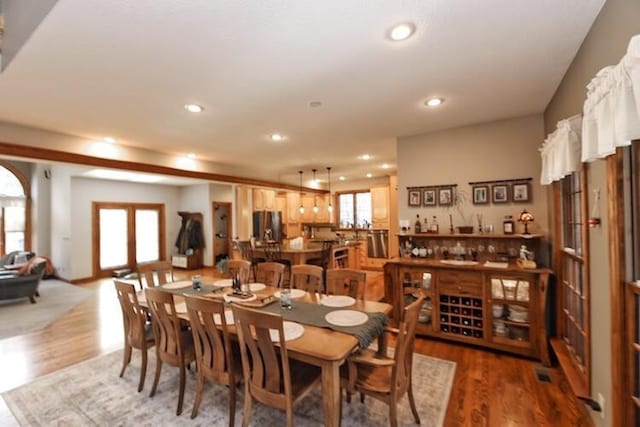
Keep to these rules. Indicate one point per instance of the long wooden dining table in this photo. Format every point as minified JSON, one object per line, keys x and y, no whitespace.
{"x":322,"y":347}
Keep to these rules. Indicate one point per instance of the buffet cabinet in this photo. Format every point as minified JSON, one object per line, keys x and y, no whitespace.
{"x":503,"y":309}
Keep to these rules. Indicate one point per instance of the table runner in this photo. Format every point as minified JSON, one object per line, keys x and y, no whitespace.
{"x":204,"y":290}
{"x":314,"y":314}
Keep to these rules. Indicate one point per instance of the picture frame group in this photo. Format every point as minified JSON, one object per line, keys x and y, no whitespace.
{"x":431,"y":196}
{"x":501,"y":192}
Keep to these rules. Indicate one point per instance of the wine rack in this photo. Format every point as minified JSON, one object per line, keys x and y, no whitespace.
{"x":461,"y":315}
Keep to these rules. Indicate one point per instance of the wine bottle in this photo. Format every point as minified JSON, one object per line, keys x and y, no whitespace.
{"x":417,"y":226}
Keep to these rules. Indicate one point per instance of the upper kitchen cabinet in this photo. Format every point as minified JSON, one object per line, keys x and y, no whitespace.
{"x":293,"y":208}
{"x":264,"y":200}
{"x":321,"y":201}
{"x":380,"y":207}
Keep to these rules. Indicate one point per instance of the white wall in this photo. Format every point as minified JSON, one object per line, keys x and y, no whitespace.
{"x":41,"y":210}
{"x":506,"y":149}
{"x":61,"y":220}
{"x":84,"y":191}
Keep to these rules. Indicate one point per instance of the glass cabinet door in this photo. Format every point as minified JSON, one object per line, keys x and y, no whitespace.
{"x":511,"y":322}
{"x":416,"y":282}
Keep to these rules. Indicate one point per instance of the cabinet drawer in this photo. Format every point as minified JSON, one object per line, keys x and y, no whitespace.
{"x":460,"y":283}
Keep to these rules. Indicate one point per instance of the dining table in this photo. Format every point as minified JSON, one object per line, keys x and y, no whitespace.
{"x":324,"y":347}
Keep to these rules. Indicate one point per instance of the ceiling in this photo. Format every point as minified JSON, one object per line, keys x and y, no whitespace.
{"x":126,"y":68}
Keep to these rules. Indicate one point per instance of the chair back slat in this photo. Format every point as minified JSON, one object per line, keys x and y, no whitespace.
{"x":404,"y":346}
{"x":155,"y":273}
{"x":166,"y":326}
{"x":133,"y":316}
{"x":241,"y":267}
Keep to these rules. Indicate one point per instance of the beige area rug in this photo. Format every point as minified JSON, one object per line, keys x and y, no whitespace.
{"x":91,"y":393}
{"x":19,"y":316}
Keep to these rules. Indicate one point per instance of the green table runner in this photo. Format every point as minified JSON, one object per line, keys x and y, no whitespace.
{"x":314,"y":314}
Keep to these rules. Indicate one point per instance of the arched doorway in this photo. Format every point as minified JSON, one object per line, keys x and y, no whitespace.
{"x":15,"y":233}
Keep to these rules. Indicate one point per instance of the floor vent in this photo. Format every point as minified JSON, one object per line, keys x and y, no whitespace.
{"x":543,"y":375}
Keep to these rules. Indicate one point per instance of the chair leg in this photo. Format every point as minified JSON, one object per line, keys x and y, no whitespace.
{"x":246,"y":414}
{"x":157,"y":377}
{"x":126,"y":358}
{"x":412,"y":403}
{"x":143,"y":370}
{"x":232,"y":404}
{"x":183,"y":379}
{"x":198,"y":399}
{"x":32,"y":299}
{"x":393,"y":413}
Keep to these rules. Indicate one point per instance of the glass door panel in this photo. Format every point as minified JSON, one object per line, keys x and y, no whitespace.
{"x":113,"y":238}
{"x":147,"y":235}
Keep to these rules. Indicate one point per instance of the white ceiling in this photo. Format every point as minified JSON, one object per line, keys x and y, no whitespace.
{"x":126,"y":68}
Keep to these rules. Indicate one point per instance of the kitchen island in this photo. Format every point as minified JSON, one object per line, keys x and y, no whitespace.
{"x":339,"y":257}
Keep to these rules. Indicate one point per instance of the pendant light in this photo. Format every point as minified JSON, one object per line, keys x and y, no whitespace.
{"x":315,"y":204}
{"x":330,"y":207}
{"x":301,"y":206}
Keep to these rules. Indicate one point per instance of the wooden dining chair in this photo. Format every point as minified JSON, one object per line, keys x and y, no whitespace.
{"x":271,"y":273}
{"x":138,"y":333}
{"x":270,"y":377}
{"x":246,"y":252}
{"x":346,"y":281}
{"x":155,"y":273}
{"x":213,"y":349}
{"x":323,"y":259}
{"x":387,"y":378}
{"x":308,"y":278}
{"x":241,"y":267}
{"x":174,"y":345}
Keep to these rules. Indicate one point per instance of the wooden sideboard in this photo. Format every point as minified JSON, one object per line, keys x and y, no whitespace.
{"x":499,"y":308}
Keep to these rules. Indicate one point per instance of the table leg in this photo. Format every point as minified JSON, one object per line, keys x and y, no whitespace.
{"x":331,"y":393}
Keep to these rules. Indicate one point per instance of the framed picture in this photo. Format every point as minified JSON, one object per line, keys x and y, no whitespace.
{"x":429,"y":197}
{"x":445,"y":196}
{"x":480,"y":194}
{"x":522,"y":192}
{"x":414,"y":197}
{"x":500,"y":193}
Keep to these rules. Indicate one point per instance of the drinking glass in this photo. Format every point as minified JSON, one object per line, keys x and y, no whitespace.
{"x":285,"y":298}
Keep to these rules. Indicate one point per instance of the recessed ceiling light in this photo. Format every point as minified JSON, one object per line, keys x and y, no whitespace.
{"x":194,"y":108}
{"x":342,"y":178}
{"x":385,"y":166}
{"x":315,"y":104}
{"x":191,"y":155}
{"x":402,"y":31}
{"x":369,"y":175}
{"x":276,"y":137}
{"x":109,"y":139}
{"x":365,"y":157}
{"x":434,"y":102}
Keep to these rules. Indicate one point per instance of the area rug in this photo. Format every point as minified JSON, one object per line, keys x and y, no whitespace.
{"x":91,"y":393}
{"x":19,"y":316}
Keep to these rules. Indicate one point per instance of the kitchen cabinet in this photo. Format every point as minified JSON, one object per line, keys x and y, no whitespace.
{"x":293,"y":208}
{"x":499,"y":308}
{"x":264,"y":200}
{"x":320,"y":200}
{"x":354,"y":256}
{"x":380,"y":207}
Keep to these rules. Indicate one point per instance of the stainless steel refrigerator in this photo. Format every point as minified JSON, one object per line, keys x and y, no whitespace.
{"x":267,"y":225}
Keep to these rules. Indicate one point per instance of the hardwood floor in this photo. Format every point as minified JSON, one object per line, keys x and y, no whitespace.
{"x":490,"y":388}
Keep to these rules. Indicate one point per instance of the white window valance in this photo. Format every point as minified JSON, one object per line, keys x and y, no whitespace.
{"x":611,"y":114}
{"x":561,"y":151}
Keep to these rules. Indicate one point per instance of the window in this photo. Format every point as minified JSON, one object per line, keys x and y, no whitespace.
{"x":13,"y":211}
{"x":354,"y":209}
{"x":573,"y":286}
{"x":632,"y":293}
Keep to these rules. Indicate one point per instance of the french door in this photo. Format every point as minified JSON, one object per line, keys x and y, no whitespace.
{"x":125,"y":234}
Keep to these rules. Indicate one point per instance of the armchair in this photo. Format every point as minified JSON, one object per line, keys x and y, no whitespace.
{"x":14,"y":285}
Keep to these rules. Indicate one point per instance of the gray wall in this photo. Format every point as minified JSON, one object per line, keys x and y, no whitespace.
{"x":605,"y":45}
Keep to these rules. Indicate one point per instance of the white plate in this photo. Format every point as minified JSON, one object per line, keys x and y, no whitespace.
{"x":228,"y":317}
{"x":255,"y":287}
{"x":224,"y":283}
{"x":177,"y":285}
{"x":231,"y":298}
{"x":337,"y":301}
{"x":346,"y":318}
{"x":292,"y":331}
{"x":295,"y":293}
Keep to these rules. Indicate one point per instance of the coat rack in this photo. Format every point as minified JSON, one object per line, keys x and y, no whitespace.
{"x":190,"y":242}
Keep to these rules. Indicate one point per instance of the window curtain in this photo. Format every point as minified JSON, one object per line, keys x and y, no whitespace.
{"x":561,"y":151}
{"x":611,"y":115}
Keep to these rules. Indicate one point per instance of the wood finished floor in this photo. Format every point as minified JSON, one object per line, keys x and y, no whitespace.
{"x":490,"y":389}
